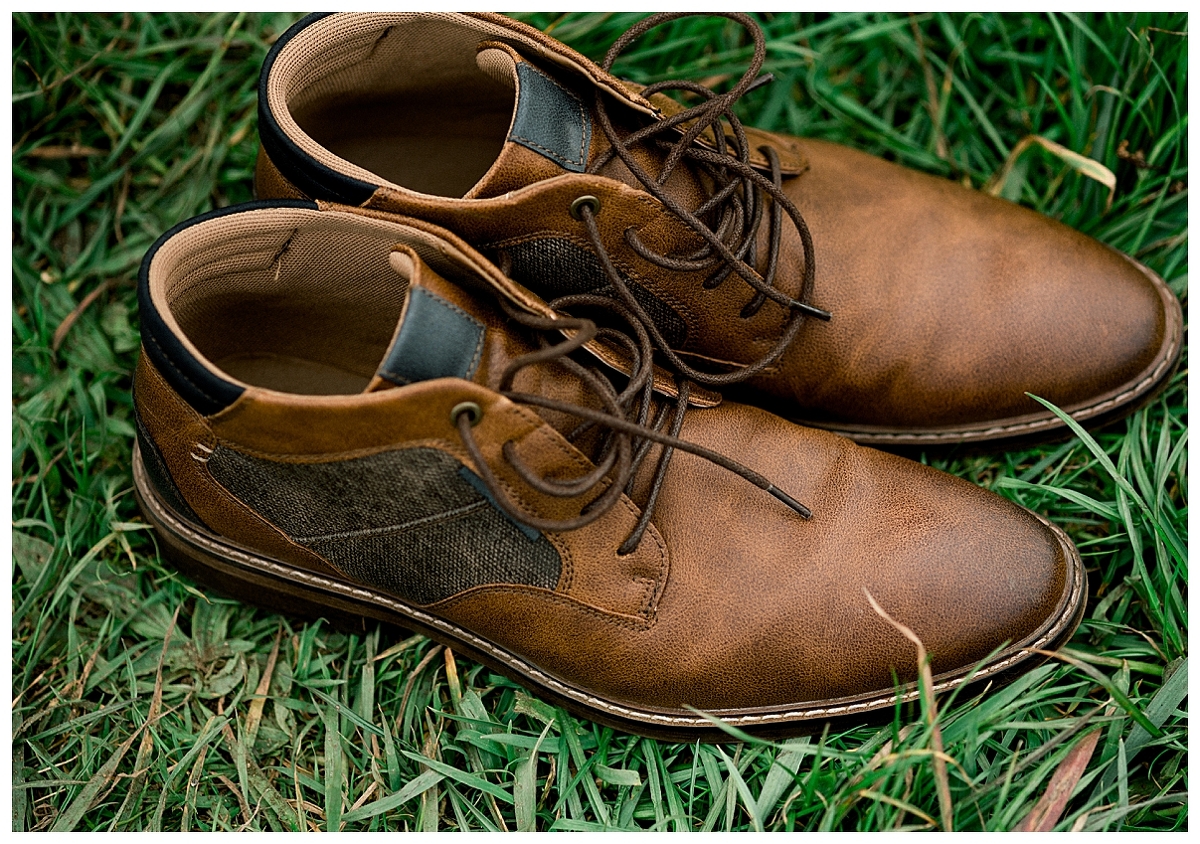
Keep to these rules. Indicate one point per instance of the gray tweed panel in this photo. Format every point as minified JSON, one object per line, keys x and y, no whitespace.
{"x":405,"y":521}
{"x":554,"y":266}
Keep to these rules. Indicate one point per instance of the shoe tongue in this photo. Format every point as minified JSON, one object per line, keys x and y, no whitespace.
{"x":550,"y":132}
{"x":554,"y":130}
{"x":442,"y":331}
{"x":448,"y":331}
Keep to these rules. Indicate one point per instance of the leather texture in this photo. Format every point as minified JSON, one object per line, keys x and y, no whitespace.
{"x":948,"y":305}
{"x":160,"y":476}
{"x":730,"y":602}
{"x":185,"y":441}
{"x":550,"y":120}
{"x":436,"y":339}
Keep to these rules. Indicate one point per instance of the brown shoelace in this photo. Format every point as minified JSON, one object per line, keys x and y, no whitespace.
{"x":733,"y":212}
{"x":624,"y":418}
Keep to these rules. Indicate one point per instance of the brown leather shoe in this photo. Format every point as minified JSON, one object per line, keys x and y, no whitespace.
{"x":339,"y":413}
{"x":947,"y":305}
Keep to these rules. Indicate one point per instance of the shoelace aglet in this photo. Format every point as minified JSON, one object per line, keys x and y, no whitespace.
{"x":765,"y":79}
{"x":804,"y":512}
{"x":813,"y":311}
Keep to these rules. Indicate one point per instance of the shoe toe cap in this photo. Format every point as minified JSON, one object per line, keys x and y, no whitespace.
{"x":973,"y":576}
{"x":950,"y":305}
{"x":763,"y":608}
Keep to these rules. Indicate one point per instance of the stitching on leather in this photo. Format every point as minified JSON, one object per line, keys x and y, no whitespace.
{"x":654,"y":588}
{"x":548,"y":152}
{"x":177,"y":370}
{"x":651,"y":593}
{"x":649,"y":590}
{"x":552,"y":438}
{"x":623,"y":500}
{"x":657,"y":213}
{"x":537,"y":676}
{"x":475,"y":358}
{"x":1051,"y":421}
{"x":264,"y":522}
{"x":659,"y":585}
{"x":482,"y":332}
{"x":567,"y":558}
{"x":633,"y":511}
{"x":144,"y":409}
{"x":583,"y":117}
{"x":644,"y":717}
{"x":254,"y":515}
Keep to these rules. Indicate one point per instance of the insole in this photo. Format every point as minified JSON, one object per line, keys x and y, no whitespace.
{"x":293,"y":375}
{"x":440,"y":148}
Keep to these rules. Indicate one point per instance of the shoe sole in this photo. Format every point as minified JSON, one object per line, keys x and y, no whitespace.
{"x":247,"y":575}
{"x":1035,"y":428}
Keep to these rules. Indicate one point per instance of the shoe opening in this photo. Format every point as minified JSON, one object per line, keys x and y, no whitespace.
{"x":292,"y":300}
{"x":393,"y":97}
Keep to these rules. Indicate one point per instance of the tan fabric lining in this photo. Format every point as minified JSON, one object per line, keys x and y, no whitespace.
{"x":287,"y":299}
{"x":397,"y":96}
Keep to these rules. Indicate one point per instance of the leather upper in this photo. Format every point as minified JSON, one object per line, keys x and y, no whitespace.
{"x":951,"y":304}
{"x":948,"y":305}
{"x":730,"y":602}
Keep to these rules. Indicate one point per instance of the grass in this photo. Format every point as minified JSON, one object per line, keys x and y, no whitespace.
{"x":143,"y":702}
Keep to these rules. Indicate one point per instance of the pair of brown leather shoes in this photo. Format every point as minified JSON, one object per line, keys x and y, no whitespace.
{"x":468,"y":378}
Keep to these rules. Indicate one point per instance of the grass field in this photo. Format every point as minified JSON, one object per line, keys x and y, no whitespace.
{"x":142,"y":702}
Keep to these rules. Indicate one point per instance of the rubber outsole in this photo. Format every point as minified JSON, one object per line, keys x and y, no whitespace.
{"x":246,"y":575}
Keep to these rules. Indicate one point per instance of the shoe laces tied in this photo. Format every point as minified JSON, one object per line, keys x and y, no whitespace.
{"x":728,"y":221}
{"x":624,"y":421}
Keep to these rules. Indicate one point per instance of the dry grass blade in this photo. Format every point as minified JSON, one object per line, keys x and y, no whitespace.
{"x":106,"y":775}
{"x":414,"y":674}
{"x":57,"y":152}
{"x":256,"y":779}
{"x":897,"y":802}
{"x":430,"y":797}
{"x":74,"y":813}
{"x":60,"y":333}
{"x":247,"y":815}
{"x":882,"y":754}
{"x":925,"y":679}
{"x":193,"y":785}
{"x":254,"y":717}
{"x":1080,"y":163}
{"x":1049,"y":808}
{"x":454,"y":684}
{"x":452,"y":681}
{"x":1120,"y":697}
{"x":931,"y":104}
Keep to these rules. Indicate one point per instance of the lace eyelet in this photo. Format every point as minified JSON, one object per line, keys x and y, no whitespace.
{"x":474,"y":411}
{"x":587,"y":200}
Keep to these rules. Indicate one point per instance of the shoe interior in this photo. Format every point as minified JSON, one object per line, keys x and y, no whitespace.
{"x":288,"y":299}
{"x":395,"y":96}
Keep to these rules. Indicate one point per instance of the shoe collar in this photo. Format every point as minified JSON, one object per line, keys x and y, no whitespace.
{"x":321,"y":44}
